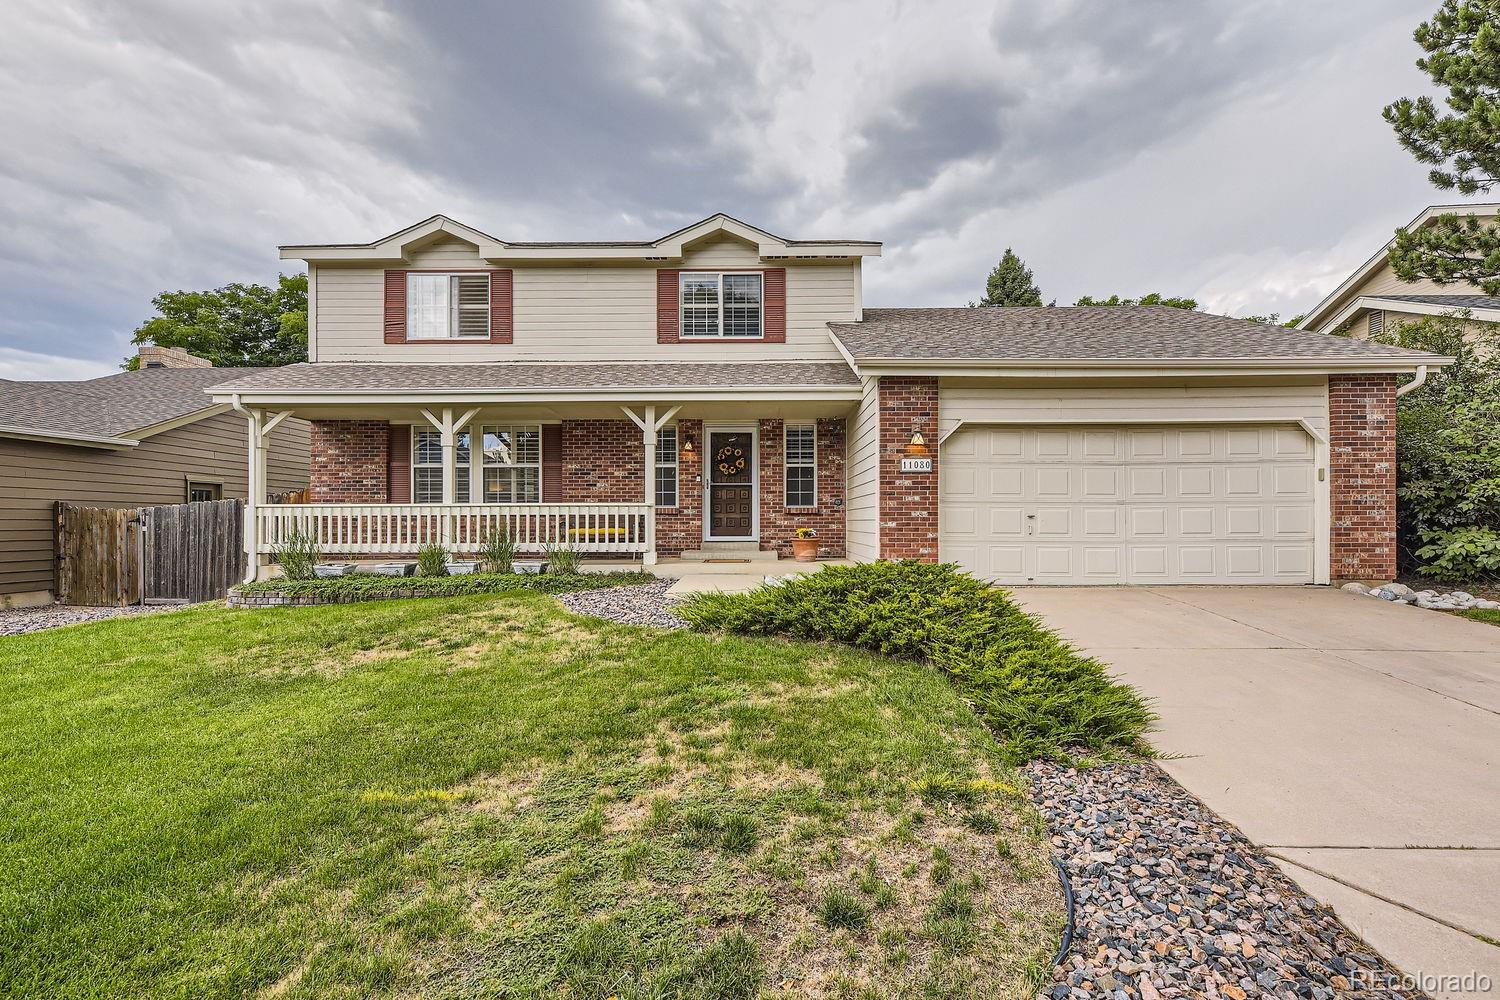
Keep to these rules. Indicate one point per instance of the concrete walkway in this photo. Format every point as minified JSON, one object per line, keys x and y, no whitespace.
{"x":1357,"y":742}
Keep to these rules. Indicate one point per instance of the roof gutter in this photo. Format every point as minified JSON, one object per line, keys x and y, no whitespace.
{"x":1415,"y":383}
{"x":65,"y":437}
{"x":1148,"y":366}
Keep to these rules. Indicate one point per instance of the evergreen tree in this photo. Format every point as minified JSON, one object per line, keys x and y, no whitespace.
{"x":1462,"y":56}
{"x":1149,"y":299}
{"x":1011,"y":284}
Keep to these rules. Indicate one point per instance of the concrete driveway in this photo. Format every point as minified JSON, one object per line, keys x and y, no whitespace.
{"x":1358,"y":742}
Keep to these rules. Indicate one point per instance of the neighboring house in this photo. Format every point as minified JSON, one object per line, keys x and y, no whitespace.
{"x":1373,"y":299}
{"x":133,"y":439}
{"x":713,"y":390}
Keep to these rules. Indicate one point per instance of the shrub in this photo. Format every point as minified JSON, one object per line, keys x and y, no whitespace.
{"x":564,"y":560}
{"x":499,"y":550}
{"x":1038,"y":694}
{"x":299,"y":556}
{"x":838,"y":909}
{"x":367,"y":586}
{"x":432,"y":560}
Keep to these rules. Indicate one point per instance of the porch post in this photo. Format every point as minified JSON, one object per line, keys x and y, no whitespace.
{"x":254,"y":493}
{"x":648,"y":431}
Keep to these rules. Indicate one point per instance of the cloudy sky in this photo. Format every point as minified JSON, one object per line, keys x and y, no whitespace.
{"x":1226,"y":150}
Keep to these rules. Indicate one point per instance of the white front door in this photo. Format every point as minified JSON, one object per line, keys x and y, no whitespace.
{"x":731,"y":494}
{"x":1137,"y":504}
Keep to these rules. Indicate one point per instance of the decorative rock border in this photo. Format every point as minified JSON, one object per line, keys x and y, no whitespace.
{"x":1399,"y":593}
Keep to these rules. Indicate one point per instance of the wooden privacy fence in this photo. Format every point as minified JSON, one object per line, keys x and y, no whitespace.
{"x":152,"y":555}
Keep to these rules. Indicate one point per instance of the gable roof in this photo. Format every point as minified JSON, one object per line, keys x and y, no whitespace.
{"x":113,"y":410}
{"x":393,"y":248}
{"x":1317,"y":317}
{"x":1102,"y":337}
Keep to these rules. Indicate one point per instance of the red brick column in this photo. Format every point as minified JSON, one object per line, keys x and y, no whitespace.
{"x":908,"y":501}
{"x":1362,"y":476}
{"x":603,"y":461}
{"x":349,"y":459}
{"x":778,"y":522}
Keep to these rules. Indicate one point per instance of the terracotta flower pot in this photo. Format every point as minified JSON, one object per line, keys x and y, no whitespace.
{"x":805,"y":549}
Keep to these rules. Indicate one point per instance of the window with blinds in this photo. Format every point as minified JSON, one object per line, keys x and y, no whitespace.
{"x":801,"y":465}
{"x":427,"y":466}
{"x":447,"y":306}
{"x":720,"y":305}
{"x":666,"y":467}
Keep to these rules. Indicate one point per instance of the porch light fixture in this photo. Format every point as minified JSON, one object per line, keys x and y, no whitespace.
{"x":687,"y":445}
{"x":917,"y":442}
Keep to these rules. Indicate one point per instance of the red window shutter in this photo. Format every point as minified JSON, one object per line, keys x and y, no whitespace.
{"x":552,"y":463}
{"x":667,"y":324}
{"x":398,"y":467}
{"x":395,"y":307}
{"x":502,"y":307}
{"x":774,"y":319}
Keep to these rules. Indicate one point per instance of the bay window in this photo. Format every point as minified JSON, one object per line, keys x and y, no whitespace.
{"x":720,"y":304}
{"x":447,"y":306}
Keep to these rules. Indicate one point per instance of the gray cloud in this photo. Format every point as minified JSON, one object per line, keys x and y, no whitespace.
{"x":1224,"y":149}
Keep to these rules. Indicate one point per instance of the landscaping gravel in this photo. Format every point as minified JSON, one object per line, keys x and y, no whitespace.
{"x":647,"y":604}
{"x":1172,"y":901}
{"x":17,"y":621}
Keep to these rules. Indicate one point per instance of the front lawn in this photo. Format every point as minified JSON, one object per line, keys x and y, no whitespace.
{"x":1488,"y":616}
{"x":487,"y":796}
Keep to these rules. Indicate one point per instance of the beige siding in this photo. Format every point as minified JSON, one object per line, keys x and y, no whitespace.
{"x":862,"y":476}
{"x":993,"y":401}
{"x":34,"y":475}
{"x":583,"y":312}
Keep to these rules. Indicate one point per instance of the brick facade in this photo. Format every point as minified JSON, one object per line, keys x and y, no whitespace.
{"x":348,"y":461}
{"x":1362,"y":476}
{"x":602,"y":462}
{"x":778,"y":522}
{"x":681,"y":527}
{"x":908,"y":501}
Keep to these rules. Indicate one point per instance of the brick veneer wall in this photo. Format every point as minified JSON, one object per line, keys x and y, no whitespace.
{"x":778,"y":522}
{"x":908,"y":501}
{"x":602,"y":461}
{"x":348,"y":461}
{"x":681,"y":527}
{"x":1362,"y":476}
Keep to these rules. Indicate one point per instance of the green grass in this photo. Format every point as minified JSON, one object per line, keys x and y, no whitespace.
{"x":487,"y":796}
{"x":374,"y":587}
{"x":1039,"y":695}
{"x":1488,"y":616}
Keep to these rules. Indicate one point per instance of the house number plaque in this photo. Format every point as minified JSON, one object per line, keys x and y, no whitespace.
{"x":916,"y":465}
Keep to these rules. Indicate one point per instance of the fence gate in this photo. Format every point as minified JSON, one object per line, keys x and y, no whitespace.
{"x":192,"y":551}
{"x":177,"y":552}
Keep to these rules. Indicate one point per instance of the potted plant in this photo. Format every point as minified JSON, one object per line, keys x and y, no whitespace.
{"x":805,"y":545}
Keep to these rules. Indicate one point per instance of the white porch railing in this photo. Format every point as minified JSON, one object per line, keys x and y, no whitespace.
{"x":352,"y":528}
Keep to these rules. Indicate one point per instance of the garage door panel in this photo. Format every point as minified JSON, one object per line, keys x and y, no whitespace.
{"x":1130,"y":504}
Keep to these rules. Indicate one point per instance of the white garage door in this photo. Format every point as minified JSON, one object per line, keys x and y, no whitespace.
{"x":1134,"y":504}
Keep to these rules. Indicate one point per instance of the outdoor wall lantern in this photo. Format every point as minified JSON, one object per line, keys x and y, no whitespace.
{"x":917,"y":444}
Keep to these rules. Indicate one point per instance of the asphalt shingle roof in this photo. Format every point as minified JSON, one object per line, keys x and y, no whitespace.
{"x":112,"y":405}
{"x":378,"y":377}
{"x":1451,"y":301}
{"x":1086,"y":333}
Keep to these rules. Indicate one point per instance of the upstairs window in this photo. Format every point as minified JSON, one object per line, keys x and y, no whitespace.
{"x":801,"y":465}
{"x":726,"y":304}
{"x":447,"y":306}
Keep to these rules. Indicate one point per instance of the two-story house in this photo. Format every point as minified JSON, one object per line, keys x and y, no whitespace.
{"x":1373,"y":298}
{"x":715,"y":389}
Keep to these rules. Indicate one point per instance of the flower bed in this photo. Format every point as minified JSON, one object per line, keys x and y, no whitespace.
{"x":1038,"y":695}
{"x":371,"y":587}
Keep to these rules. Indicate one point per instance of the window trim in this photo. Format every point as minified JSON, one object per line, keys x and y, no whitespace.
{"x":682,"y":308}
{"x":459,"y":471}
{"x":673,"y":464}
{"x":787,"y":464}
{"x":190,"y":482}
{"x":512,"y":426}
{"x":455,"y":337}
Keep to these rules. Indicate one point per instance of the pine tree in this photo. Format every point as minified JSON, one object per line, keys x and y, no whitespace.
{"x":1462,"y":46}
{"x":1011,"y":284}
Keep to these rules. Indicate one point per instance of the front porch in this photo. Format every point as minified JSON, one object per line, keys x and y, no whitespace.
{"x":621,"y":484}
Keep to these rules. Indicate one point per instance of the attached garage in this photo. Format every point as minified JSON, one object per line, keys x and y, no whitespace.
{"x":1131,"y":503}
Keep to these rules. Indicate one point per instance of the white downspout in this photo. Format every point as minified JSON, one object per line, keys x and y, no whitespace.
{"x":1415,"y":383}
